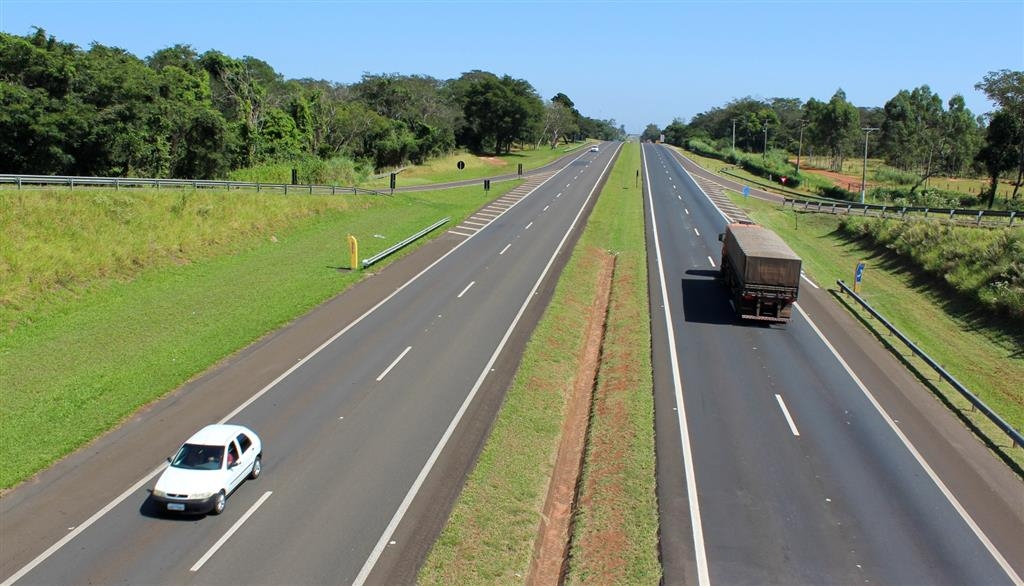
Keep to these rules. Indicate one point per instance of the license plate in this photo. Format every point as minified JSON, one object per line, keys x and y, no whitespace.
{"x":175,"y":507}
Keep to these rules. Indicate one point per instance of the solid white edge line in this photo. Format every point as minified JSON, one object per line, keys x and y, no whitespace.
{"x":712,"y":261}
{"x":471,"y":283}
{"x":375,"y":554}
{"x":393,"y":363}
{"x":224,"y":538}
{"x":703,"y":577}
{"x":507,"y":246}
{"x":1010,"y":572}
{"x":789,"y":419}
{"x":142,"y":482}
{"x":812,"y":283}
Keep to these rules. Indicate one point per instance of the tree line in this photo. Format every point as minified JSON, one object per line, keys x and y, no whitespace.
{"x":177,"y":113}
{"x":917,"y":132}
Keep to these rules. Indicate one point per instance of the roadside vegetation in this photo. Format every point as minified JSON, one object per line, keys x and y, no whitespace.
{"x":929,"y":144}
{"x":979,"y":346}
{"x":111,"y":299}
{"x":615,"y":524}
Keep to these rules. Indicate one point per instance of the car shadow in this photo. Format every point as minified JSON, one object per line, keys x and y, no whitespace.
{"x":151,"y":509}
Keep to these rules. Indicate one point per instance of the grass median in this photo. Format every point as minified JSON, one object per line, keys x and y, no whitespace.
{"x":142,"y":294}
{"x":492,"y":530}
{"x":982,"y":352}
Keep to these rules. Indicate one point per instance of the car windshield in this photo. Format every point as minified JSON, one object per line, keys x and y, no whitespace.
{"x":198,"y":457}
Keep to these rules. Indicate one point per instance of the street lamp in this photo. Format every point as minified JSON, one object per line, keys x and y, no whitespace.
{"x":764,"y":153}
{"x":864,"y":173}
{"x":734,"y":138}
{"x":800,"y":146}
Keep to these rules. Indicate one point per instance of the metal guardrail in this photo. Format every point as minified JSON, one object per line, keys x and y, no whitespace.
{"x":1015,"y":436}
{"x":901,"y":211}
{"x":135,"y":182}
{"x":369,"y":261}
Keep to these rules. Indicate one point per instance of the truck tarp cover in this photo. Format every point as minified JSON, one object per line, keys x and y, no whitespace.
{"x":762,"y":258}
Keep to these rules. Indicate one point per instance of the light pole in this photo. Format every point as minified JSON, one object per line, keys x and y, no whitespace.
{"x":864,"y":173}
{"x":764,"y":153}
{"x":734,"y":138}
{"x":800,"y":146}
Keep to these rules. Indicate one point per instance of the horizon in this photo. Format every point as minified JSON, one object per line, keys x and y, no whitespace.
{"x":595,"y":59}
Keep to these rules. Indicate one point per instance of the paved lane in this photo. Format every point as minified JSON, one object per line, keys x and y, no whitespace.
{"x":352,"y":430}
{"x":798,"y":478}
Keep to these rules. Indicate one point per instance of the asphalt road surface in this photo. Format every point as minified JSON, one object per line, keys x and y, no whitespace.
{"x":371,"y":410}
{"x":804,"y":453}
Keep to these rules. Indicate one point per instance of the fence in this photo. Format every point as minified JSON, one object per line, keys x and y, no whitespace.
{"x":959,"y":214}
{"x":133,"y":182}
{"x":1015,"y":436}
{"x":369,"y":261}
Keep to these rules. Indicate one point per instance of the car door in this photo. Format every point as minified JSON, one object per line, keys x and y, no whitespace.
{"x":237,"y":470}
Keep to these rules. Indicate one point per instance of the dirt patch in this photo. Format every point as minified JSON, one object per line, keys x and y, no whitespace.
{"x":838,"y":179}
{"x":495,"y":161}
{"x":553,"y":537}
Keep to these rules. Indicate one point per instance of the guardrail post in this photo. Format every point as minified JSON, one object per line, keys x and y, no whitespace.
{"x":1013,"y":214}
{"x":833,"y":208}
{"x":286,"y":189}
{"x":849,"y":208}
{"x":71,"y":183}
{"x":926,"y":213}
{"x":951,"y":212}
{"x":19,"y":187}
{"x":311,"y":189}
{"x":258,"y":187}
{"x":980,"y":214}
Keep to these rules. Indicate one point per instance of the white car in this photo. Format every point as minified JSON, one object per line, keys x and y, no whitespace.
{"x":594,"y":149}
{"x":207,"y":468}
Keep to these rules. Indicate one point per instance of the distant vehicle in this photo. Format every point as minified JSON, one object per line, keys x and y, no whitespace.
{"x":208,"y":468}
{"x":594,"y":149}
{"x":761,"y":271}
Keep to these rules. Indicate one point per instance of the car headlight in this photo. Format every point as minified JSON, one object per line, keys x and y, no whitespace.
{"x":199,"y":496}
{"x":159,"y":493}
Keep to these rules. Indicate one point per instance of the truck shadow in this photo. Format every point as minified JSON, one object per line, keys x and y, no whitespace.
{"x":705,"y":299}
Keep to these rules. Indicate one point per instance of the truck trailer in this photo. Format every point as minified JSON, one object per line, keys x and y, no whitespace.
{"x":761,"y":271}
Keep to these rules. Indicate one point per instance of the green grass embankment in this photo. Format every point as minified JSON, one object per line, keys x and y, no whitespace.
{"x":112,"y":299}
{"x":491,"y":533}
{"x":979,"y":348}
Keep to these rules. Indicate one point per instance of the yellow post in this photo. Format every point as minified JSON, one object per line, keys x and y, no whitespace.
{"x":353,"y":252}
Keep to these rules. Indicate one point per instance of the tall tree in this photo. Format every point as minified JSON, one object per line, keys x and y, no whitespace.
{"x":1006,"y":88}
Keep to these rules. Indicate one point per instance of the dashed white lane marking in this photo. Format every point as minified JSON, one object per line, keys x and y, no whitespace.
{"x":528,"y":226}
{"x":696,"y":231}
{"x":687,"y":211}
{"x":504,"y":249}
{"x":568,"y":184}
{"x":679,"y":197}
{"x":220,"y":542}
{"x":471,"y":283}
{"x":804,"y":277}
{"x":789,"y":419}
{"x":559,"y":194}
{"x":393,"y":363}
{"x":712,"y":261}
{"x":545,"y":208}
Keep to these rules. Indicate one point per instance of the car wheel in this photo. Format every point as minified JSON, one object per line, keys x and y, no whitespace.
{"x":220,"y":503}
{"x":257,"y":467}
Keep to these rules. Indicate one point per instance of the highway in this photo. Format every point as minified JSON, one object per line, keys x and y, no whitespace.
{"x":371,"y":410}
{"x":804,"y":453}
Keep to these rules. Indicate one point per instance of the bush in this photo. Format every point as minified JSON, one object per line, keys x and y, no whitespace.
{"x":834,"y":192}
{"x":926,"y":198}
{"x":983,"y":264}
{"x":895,"y":176}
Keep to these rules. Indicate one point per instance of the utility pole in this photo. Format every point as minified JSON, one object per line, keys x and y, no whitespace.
{"x":734,"y":138}
{"x":800,"y":146}
{"x":764,"y":153}
{"x":864,"y":172}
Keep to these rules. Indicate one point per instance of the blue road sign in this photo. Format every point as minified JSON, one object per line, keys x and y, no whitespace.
{"x":860,"y":272}
{"x":746,"y":191}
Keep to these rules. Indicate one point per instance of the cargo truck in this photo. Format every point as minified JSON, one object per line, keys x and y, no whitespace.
{"x":761,"y":271}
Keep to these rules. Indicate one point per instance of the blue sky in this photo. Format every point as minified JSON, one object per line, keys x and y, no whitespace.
{"x":636,"y":62}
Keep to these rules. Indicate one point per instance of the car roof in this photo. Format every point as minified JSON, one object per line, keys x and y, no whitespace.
{"x":218,"y":434}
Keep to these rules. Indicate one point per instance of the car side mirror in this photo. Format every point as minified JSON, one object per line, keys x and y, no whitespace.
{"x":721,"y":237}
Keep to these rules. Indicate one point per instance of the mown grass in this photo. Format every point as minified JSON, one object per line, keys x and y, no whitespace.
{"x":980,"y":350}
{"x":127,"y":327}
{"x":490,"y":535}
{"x":444,"y":169}
{"x":615,"y":537}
